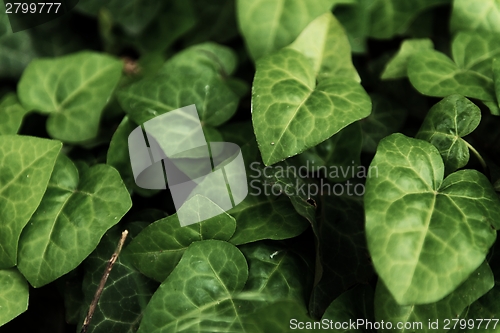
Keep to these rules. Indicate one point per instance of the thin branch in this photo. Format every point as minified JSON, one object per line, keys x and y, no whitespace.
{"x":104,"y":278}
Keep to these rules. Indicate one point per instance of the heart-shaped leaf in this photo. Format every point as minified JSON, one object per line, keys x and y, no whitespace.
{"x":475,"y":15}
{"x":198,"y":296}
{"x":303,"y":96}
{"x":416,"y":220}
{"x":13,"y":294}
{"x":352,"y":305}
{"x":74,"y":214}
{"x":444,"y":126}
{"x":198,"y":75}
{"x":268,"y":25}
{"x":485,"y":312}
{"x":450,"y":307}
{"x":26,"y":164}
{"x":470,"y":74}
{"x":159,"y":247}
{"x":397,"y":67}
{"x":11,"y":113}
{"x":73,"y":90}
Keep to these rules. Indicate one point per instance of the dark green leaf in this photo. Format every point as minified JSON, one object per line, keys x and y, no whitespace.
{"x":11,"y":113}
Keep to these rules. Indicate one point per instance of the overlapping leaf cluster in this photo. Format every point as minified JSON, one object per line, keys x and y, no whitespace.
{"x":397,"y":98}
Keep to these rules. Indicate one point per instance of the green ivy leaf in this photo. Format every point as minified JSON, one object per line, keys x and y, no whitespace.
{"x":265,"y":217}
{"x":450,"y":307}
{"x":396,"y":68}
{"x":159,"y":247}
{"x":416,"y":220}
{"x":199,"y":295}
{"x":11,"y":113}
{"x":352,"y":305}
{"x":73,"y":90}
{"x":269,"y":25}
{"x":470,"y":74}
{"x":392,"y":17}
{"x":387,"y":117}
{"x":475,"y":15}
{"x":133,"y":15}
{"x":26,"y":164}
{"x":285,"y":90}
{"x":74,"y":214}
{"x":125,"y":295}
{"x":197,"y":75}
{"x":13,"y":294}
{"x":444,"y":126}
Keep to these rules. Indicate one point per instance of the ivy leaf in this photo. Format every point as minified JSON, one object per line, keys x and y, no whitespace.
{"x":470,"y":74}
{"x":159,"y":247}
{"x":487,"y":307}
{"x":197,"y":75}
{"x":391,"y":17}
{"x":199,"y":294}
{"x":133,"y":15}
{"x":352,"y":305}
{"x":278,"y":317}
{"x":125,"y":295}
{"x":416,"y":220}
{"x":444,"y":126}
{"x":265,"y":217}
{"x":475,"y":15}
{"x":450,"y":307}
{"x":118,"y":156}
{"x":269,"y":25}
{"x":286,"y":91}
{"x":11,"y":113}
{"x":387,"y":117}
{"x":74,"y":214}
{"x":73,"y":90}
{"x":13,"y":294}
{"x":26,"y":164}
{"x":396,"y":68}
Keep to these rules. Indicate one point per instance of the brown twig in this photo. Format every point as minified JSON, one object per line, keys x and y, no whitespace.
{"x":104,"y":278}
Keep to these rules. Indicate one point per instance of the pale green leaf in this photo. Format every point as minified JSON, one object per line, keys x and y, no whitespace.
{"x":26,"y":164}
{"x":74,"y":214}
{"x":444,"y":126}
{"x":269,"y":25}
{"x":448,"y":308}
{"x":415,"y":220}
{"x":73,"y":90}
{"x":325,"y":44}
{"x":496,"y":78}
{"x":396,"y":68}
{"x":481,"y":15}
{"x":13,"y":294}
{"x":292,"y":113}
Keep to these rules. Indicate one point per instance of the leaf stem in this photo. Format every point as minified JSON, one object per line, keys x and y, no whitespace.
{"x":104,"y":278}
{"x":479,"y":157}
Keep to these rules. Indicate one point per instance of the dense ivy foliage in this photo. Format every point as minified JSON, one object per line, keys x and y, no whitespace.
{"x":370,"y":132}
